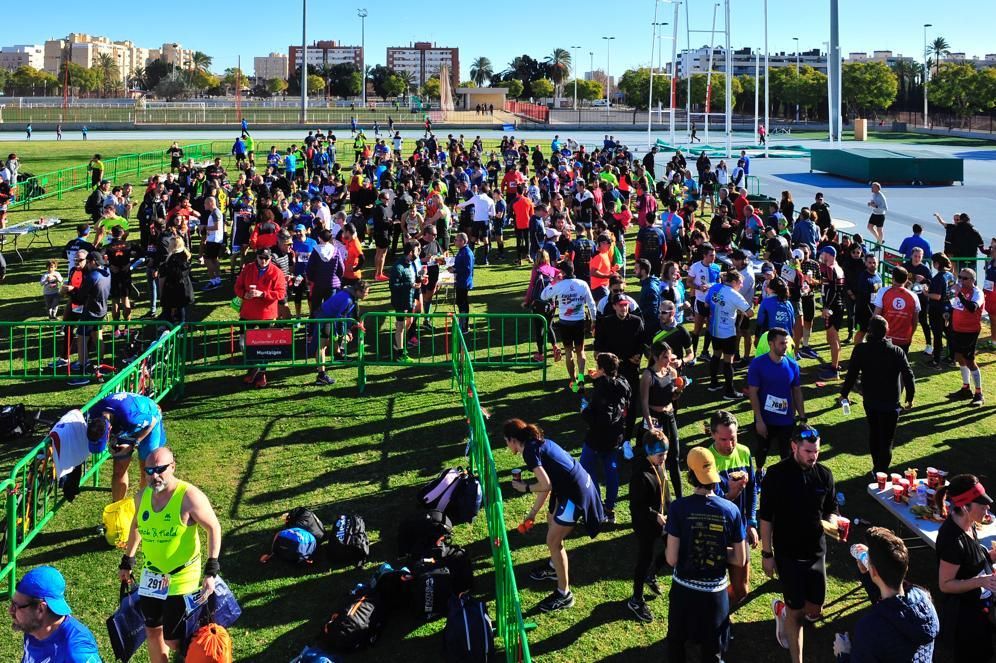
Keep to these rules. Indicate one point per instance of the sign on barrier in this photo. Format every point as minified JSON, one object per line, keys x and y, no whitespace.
{"x":264,"y":345}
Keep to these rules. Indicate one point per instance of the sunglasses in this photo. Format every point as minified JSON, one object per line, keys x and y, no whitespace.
{"x":158,"y":469}
{"x":809,"y":434}
{"x":262,"y":258}
{"x":964,"y":278}
{"x":22,"y":606}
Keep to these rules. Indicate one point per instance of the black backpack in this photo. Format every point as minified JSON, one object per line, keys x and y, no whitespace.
{"x":466,"y":501}
{"x":469,"y":636}
{"x":422,"y":534}
{"x":392,"y":585}
{"x":348,"y":542}
{"x":357,"y":624}
{"x":306,"y":519}
{"x":13,"y":423}
{"x":431,"y":589}
{"x":461,"y":570}
{"x":92,"y":205}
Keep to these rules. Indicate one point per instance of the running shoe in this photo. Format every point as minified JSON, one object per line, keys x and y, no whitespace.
{"x":250,"y":375}
{"x":543,"y":572}
{"x":778,"y":607}
{"x":78,"y":382}
{"x":260,"y":380}
{"x":715,"y":387}
{"x":977,"y":400}
{"x":413,"y":342}
{"x":403,"y":358}
{"x":933,"y":363}
{"x":556,"y":353}
{"x":610,"y":517}
{"x":808,"y":353}
{"x":962,"y":394}
{"x":58,"y":363}
{"x":640,"y":610}
{"x":557,"y":601}
{"x":323,"y":380}
{"x":732,"y":396}
{"x":829,"y":373}
{"x":381,"y":277}
{"x":929,"y":350}
{"x":651,"y":583}
{"x":704,"y":356}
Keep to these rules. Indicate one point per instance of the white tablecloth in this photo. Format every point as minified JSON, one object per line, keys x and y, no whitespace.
{"x":925,"y":529}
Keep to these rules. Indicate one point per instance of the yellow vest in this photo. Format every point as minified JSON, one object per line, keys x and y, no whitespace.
{"x":168,"y":545}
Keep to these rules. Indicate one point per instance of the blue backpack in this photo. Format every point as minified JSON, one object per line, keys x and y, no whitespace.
{"x":294,"y":545}
{"x":468,"y":636}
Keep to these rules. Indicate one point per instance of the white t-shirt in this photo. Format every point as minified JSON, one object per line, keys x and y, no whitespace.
{"x":69,"y":442}
{"x":723,"y":306}
{"x":703,"y":275}
{"x":572,"y":296}
{"x":216,"y":236}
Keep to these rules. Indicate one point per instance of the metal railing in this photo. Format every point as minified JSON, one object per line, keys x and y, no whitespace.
{"x":32,"y":491}
{"x":60,"y":182}
{"x":512,"y":628}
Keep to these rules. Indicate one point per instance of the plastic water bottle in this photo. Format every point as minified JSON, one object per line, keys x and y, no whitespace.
{"x":627,"y":450}
{"x":584,"y":404}
{"x":840,"y":499}
{"x":860,"y":553}
{"x":845,"y":406}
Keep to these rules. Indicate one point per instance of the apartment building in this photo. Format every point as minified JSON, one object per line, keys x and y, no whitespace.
{"x":325,"y":52}
{"x":270,"y":66}
{"x":423,"y":60}
{"x":696,"y":61}
{"x":84,"y":50}
{"x":19,"y":55}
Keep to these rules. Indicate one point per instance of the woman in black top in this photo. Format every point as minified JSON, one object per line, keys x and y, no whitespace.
{"x":649,"y":497}
{"x":920,"y":276}
{"x":965,"y":571}
{"x":939,"y":293}
{"x":660,"y":386}
{"x":177,"y":289}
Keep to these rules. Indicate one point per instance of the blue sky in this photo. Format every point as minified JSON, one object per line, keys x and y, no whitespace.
{"x":535,"y":28}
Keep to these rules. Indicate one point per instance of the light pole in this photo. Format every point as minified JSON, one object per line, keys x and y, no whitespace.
{"x":712,"y":53}
{"x":797,"y":82}
{"x":767,"y":78}
{"x":650,"y":94}
{"x":674,"y":69}
{"x":608,"y":81}
{"x":926,"y":73}
{"x":660,"y":63}
{"x":304,"y":61}
{"x":574,"y":67}
{"x":362,"y":13}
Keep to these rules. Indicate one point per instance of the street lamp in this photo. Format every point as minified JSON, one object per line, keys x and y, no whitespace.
{"x":926,"y":73}
{"x":574,"y":71}
{"x":796,"y":39}
{"x":304,"y":61}
{"x":608,"y":65}
{"x":657,"y":29}
{"x":362,"y":13}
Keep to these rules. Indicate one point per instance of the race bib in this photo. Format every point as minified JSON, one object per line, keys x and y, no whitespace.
{"x":987,"y":285}
{"x":77,"y":308}
{"x":776,"y":405}
{"x":153,"y":585}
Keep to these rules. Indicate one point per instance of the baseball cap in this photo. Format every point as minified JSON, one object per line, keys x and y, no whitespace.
{"x":829,"y":249}
{"x":299,"y":228}
{"x":552,"y":233}
{"x":798,"y":254}
{"x":264,"y":253}
{"x":105,"y":181}
{"x":47,"y":584}
{"x":703,"y":465}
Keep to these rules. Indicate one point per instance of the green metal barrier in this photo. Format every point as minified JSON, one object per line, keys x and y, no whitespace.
{"x":46,"y":349}
{"x":511,"y":627}
{"x":32,"y":492}
{"x":222,"y":344}
{"x":60,"y":182}
{"x":427,"y":341}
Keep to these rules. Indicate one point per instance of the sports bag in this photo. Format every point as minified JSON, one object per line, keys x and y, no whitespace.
{"x":126,"y":627}
{"x":468,"y":636}
{"x":460,"y":567}
{"x":13,"y":423}
{"x":357,"y":624}
{"x":211,"y":644}
{"x":221,"y":608}
{"x":117,"y":519}
{"x":313,"y":655}
{"x":348,"y":542}
{"x":293,"y":545}
{"x":420,"y":534}
{"x":439,"y":492}
{"x":391,"y":584}
{"x":431,"y":589}
{"x":466,"y":500}
{"x":306,"y":520}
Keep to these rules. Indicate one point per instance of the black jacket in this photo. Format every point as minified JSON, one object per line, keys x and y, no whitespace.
{"x":647,"y":489}
{"x":611,"y":399}
{"x":623,"y":337}
{"x":885,"y":370}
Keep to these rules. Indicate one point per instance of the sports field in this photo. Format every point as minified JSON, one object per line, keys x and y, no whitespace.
{"x":258,"y":453}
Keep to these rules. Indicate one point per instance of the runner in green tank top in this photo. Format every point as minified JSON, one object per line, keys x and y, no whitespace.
{"x":167,"y":515}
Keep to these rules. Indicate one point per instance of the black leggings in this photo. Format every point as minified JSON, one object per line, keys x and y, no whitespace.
{"x":543,"y":309}
{"x":924,"y":318}
{"x":522,"y":243}
{"x":938,"y":330}
{"x":645,"y":560}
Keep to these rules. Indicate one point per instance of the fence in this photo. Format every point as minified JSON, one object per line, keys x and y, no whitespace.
{"x":62,"y":181}
{"x":32,"y":491}
{"x":529,"y":111}
{"x":511,"y":627}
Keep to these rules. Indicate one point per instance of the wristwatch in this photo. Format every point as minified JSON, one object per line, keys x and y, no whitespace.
{"x":767,"y":555}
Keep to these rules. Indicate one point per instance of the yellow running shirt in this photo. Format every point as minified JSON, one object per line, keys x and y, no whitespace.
{"x":168,"y":545}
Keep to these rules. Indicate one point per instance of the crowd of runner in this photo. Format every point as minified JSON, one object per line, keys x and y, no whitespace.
{"x":728,"y":289}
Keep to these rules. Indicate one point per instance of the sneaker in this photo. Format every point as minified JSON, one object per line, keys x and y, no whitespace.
{"x":929,"y":350}
{"x":557,"y":601}
{"x":78,"y":382}
{"x":403,"y":358}
{"x":933,"y":363}
{"x":977,"y":400}
{"x":778,"y":607}
{"x":250,"y":375}
{"x":829,"y":373}
{"x":704,"y":356}
{"x":639,"y":608}
{"x":260,"y":380}
{"x":732,"y":396}
{"x":651,"y":583}
{"x":211,"y":285}
{"x":715,"y":387}
{"x":323,"y":380}
{"x":381,"y":277}
{"x":543,"y":572}
{"x":962,"y":394}
{"x":610,"y":517}
{"x":808,"y":353}
{"x":556,"y":353}
{"x":58,"y":363}
{"x":413,"y":342}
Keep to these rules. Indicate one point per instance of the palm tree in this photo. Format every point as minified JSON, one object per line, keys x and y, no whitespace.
{"x":109,"y":71}
{"x":559,"y":66}
{"x":201,"y":61}
{"x":481,"y":71}
{"x":906,"y":72}
{"x":137,"y":79}
{"x":940,"y":48}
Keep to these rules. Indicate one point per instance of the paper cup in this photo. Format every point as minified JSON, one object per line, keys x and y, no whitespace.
{"x":881,"y":478}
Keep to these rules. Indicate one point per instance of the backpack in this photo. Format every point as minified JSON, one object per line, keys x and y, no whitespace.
{"x":357,"y":624}
{"x":13,"y":423}
{"x":313,"y":655}
{"x":211,"y":644}
{"x":422,"y":534}
{"x":468,"y":636}
{"x":293,"y":545}
{"x":307,"y":520}
{"x":439,"y":492}
{"x":455,"y":492}
{"x":431,"y":589}
{"x":461,"y":569}
{"x":92,"y":205}
{"x":650,"y":243}
{"x":391,"y":584}
{"x":349,"y":543}
{"x":607,"y":413}
{"x":540,"y":305}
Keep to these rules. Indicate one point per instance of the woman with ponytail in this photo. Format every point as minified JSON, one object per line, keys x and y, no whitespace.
{"x":965,"y":570}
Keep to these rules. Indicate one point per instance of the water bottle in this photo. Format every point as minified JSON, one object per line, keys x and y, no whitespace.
{"x":627,"y":450}
{"x":840,"y":499}
{"x":860,"y":553}
{"x":584,"y":404}
{"x":845,"y":406}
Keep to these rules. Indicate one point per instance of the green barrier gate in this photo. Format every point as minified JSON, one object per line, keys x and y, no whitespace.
{"x":254,"y":344}
{"x":32,"y":491}
{"x":511,"y":627}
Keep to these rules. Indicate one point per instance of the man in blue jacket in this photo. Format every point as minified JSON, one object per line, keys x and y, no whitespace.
{"x":902,"y":623}
{"x":463,"y":272}
{"x":650,"y":297}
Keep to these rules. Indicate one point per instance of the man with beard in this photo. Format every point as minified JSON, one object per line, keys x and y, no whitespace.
{"x":38,"y":609}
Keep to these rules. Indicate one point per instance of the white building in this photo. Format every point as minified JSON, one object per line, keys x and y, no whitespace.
{"x":885,"y":57}
{"x":19,"y":55}
{"x":325,"y":52}
{"x":697,"y":61}
{"x":423,"y":60}
{"x":84,"y":50}
{"x":271,"y":66}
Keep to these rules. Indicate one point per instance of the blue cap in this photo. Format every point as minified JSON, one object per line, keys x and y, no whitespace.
{"x":658,"y":446}
{"x":299,"y":228}
{"x":46,"y":583}
{"x":829,"y":249}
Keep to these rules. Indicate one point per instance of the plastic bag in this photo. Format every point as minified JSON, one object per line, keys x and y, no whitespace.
{"x":118,"y":517}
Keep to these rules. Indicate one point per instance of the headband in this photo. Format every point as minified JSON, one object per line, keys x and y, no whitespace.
{"x":969,"y":495}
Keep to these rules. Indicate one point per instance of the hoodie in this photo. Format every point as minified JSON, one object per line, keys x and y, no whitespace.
{"x":898,"y":629}
{"x":325,"y":268}
{"x":95,"y":291}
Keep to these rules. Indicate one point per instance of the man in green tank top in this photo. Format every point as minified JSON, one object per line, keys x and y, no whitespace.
{"x":168,"y":512}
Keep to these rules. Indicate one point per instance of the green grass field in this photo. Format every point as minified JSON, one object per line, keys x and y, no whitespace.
{"x":258,"y":453}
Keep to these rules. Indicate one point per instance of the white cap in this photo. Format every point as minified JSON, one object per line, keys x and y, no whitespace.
{"x":798,"y":254}
{"x":552,"y":233}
